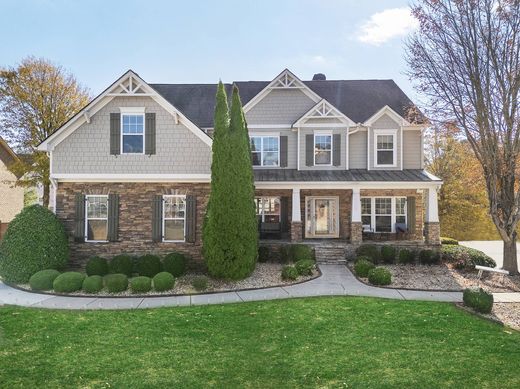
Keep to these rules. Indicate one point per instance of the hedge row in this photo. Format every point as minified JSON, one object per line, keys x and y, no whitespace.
{"x":389,"y":254}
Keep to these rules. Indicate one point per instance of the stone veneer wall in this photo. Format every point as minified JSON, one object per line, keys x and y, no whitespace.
{"x":135,"y":218}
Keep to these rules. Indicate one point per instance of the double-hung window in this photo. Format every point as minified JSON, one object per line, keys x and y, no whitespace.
{"x":268,"y":209}
{"x":322,"y":149}
{"x":265,"y":150}
{"x":385,"y":148}
{"x":174,"y":218}
{"x":96,"y":218}
{"x":366,"y":213}
{"x":132,"y":130}
{"x":381,"y":214}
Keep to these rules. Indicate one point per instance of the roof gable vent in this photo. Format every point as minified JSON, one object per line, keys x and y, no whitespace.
{"x":319,"y":77}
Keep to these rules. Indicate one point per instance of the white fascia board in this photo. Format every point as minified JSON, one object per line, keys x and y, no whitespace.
{"x":390,"y":112}
{"x":132,"y":177}
{"x":301,"y":122}
{"x":347,"y":185}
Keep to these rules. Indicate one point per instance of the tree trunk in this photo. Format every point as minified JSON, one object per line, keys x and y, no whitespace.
{"x":46,"y":191}
{"x":510,"y":261}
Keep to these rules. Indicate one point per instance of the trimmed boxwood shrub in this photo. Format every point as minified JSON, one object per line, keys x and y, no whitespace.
{"x":289,"y":273}
{"x":163,"y":281}
{"x":97,"y":266}
{"x":428,"y":257}
{"x":122,"y":264}
{"x":363,"y":266}
{"x":148,"y":265}
{"x":379,"y":276}
{"x":35,"y":240}
{"x":299,"y":251}
{"x":263,"y":253}
{"x":116,"y":283}
{"x":406,"y":256}
{"x":92,"y":284}
{"x":445,"y":240}
{"x":140,"y":284}
{"x":200,"y":283}
{"x":67,"y":282}
{"x":478,"y":299}
{"x":174,"y":263}
{"x":388,"y":254}
{"x":305,"y":267}
{"x":369,"y":250}
{"x":466,"y":257}
{"x":43,"y":279}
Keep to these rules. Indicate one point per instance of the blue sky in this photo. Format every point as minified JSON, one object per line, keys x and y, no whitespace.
{"x":200,"y":41}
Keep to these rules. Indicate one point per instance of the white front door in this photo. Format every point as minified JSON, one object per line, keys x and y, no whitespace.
{"x":322,"y":219}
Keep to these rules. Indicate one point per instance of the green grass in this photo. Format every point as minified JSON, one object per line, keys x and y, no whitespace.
{"x":316,"y":342}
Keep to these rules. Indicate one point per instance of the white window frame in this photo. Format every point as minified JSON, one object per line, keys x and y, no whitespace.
{"x":95,"y":218}
{"x":392,"y":133}
{"x":279,"y":214}
{"x":393,"y":214}
{"x":132,"y":111}
{"x":174,"y":218}
{"x":321,"y":133}
{"x":262,"y":136}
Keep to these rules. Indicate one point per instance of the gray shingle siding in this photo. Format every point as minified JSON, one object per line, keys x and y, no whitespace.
{"x":358,"y":150}
{"x":87,"y":150}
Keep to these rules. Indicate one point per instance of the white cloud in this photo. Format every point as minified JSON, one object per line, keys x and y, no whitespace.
{"x":385,"y":25}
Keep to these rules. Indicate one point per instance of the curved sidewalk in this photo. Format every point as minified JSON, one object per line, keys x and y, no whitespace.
{"x":336,"y":280}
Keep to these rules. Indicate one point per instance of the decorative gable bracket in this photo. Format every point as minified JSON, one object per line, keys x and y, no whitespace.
{"x":323,"y":114}
{"x":129,"y":86}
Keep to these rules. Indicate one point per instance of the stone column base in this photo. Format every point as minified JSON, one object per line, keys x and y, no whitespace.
{"x":432,"y":233}
{"x":356,"y":232}
{"x":296,"y":232}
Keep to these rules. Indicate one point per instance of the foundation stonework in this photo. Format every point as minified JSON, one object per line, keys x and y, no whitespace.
{"x":432,"y":233}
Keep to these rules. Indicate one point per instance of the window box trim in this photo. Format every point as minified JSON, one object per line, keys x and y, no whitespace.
{"x":94,"y":218}
{"x":323,"y":133}
{"x":393,"y":215}
{"x":393,"y":133}
{"x":175,"y":218}
{"x":132,"y":111}
{"x":261,"y":151}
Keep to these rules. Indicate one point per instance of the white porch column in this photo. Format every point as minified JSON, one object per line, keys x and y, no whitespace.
{"x":296,"y":212}
{"x":356,"y":205}
{"x":432,"y":208}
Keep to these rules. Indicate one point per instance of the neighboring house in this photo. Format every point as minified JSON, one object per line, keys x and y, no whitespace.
{"x":336,"y":160}
{"x":11,"y":196}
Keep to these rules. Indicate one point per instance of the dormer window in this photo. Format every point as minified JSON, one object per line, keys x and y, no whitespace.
{"x":132,"y":130}
{"x":385,"y":148}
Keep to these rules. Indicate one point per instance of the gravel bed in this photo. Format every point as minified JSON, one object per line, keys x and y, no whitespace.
{"x":506,"y":313}
{"x":264,"y":275}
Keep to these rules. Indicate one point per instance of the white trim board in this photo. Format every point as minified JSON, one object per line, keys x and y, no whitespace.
{"x":132,"y":177}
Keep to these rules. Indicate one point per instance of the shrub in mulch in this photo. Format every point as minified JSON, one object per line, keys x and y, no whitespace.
{"x":478,"y":299}
{"x":379,"y":276}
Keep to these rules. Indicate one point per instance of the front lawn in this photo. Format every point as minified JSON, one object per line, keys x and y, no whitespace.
{"x":315,"y":342}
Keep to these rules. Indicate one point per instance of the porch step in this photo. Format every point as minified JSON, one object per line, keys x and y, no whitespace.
{"x":330,"y":254}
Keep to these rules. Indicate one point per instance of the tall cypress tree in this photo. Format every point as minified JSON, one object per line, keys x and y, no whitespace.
{"x":230,"y":231}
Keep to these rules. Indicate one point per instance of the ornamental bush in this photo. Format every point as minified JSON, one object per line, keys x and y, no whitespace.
{"x":284,"y":253}
{"x":92,"y":284}
{"x":369,"y":250}
{"x":116,"y":283}
{"x":35,"y":240}
{"x":174,"y":263}
{"x":466,"y":257}
{"x":429,"y":257}
{"x":263,"y":253}
{"x":163,"y":281}
{"x":362,"y":267}
{"x":406,"y":256}
{"x":68,"y":282}
{"x":148,"y":265}
{"x":478,"y":299}
{"x":200,"y":283}
{"x":388,"y":254}
{"x":289,"y":273}
{"x":445,"y":240}
{"x":43,"y":279}
{"x":97,"y":266}
{"x":122,"y":264}
{"x":299,"y":251}
{"x":140,"y":284}
{"x":379,"y":276}
{"x":305,"y":267}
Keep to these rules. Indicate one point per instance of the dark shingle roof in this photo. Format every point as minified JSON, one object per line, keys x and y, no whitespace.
{"x":357,"y":99}
{"x":412,"y":175}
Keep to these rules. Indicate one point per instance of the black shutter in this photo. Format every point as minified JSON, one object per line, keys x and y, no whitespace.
{"x":283,"y":151}
{"x":309,"y":150}
{"x":336,"y":149}
{"x":157,"y":206}
{"x":284,"y":214}
{"x":150,"y":134}
{"x":115,"y":133}
{"x":79,"y":228}
{"x":410,"y":213}
{"x":113,"y":217}
{"x":191,"y":218}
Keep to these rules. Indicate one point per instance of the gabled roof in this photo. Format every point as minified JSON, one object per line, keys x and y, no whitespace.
{"x":7,"y":155}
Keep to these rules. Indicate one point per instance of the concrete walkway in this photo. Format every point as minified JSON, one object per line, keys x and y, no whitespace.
{"x":336,"y":280}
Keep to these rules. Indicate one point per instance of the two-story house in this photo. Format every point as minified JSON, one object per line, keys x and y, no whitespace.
{"x":332,"y":159}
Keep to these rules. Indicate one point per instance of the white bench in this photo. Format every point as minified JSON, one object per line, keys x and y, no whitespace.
{"x":482,"y":269}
